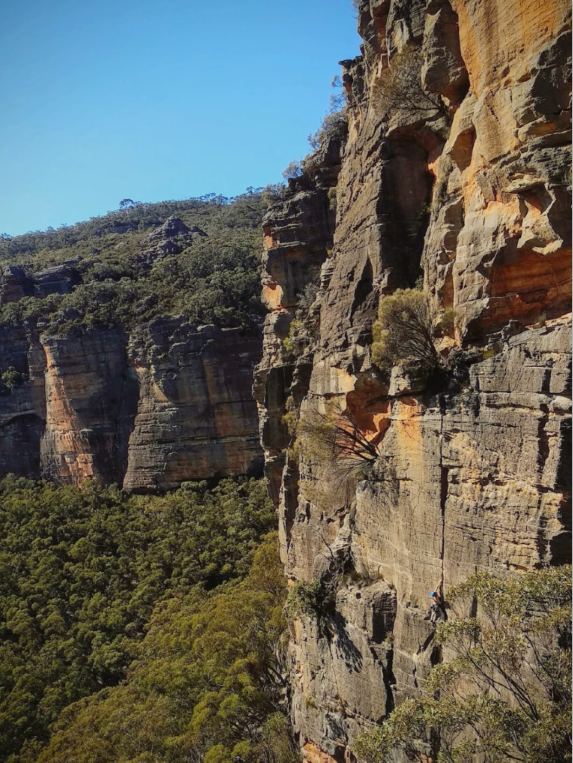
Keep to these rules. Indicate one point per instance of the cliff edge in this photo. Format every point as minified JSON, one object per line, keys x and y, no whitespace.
{"x":128,"y":345}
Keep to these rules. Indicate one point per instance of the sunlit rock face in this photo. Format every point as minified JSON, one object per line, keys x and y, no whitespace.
{"x":469,"y":199}
{"x":172,"y":402}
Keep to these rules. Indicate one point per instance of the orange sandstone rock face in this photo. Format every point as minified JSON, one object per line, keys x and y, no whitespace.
{"x":314,"y":754}
{"x":505,"y":162}
{"x":473,"y":472}
{"x":499,"y":40}
{"x":174,"y":404}
{"x":195,"y":416}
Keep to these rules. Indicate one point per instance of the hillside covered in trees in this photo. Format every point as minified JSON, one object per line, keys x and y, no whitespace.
{"x":139,"y":628}
{"x":197,"y":258}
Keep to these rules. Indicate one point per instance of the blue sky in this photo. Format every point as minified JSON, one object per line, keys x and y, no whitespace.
{"x":157,"y":99}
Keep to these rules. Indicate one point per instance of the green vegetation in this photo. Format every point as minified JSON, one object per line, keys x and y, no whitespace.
{"x":334,"y":436}
{"x":215,"y":279}
{"x":399,"y":88}
{"x":448,"y":321}
{"x":305,"y":326}
{"x":404,"y":331}
{"x":304,"y":599}
{"x":334,"y":123}
{"x":98,"y":588}
{"x":207,"y":685}
{"x":292,"y":170}
{"x":296,"y":340}
{"x":316,"y":600}
{"x":11,"y":378}
{"x":505,"y":691}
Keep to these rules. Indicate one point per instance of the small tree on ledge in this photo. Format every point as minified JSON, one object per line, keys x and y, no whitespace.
{"x":403,"y":333}
{"x":399,"y":87}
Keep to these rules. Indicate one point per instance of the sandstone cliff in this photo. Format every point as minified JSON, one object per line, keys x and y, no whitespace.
{"x":469,"y":192}
{"x":168,"y":403}
{"x":111,"y":365}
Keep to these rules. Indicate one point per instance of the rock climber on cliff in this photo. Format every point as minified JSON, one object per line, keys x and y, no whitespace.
{"x":437,"y":611}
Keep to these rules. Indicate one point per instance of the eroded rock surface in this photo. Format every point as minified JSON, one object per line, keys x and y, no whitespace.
{"x":170,"y":238}
{"x":469,"y":195}
{"x":149,"y":411}
{"x":195,"y":416}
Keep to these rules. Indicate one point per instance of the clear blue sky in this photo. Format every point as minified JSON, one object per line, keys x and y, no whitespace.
{"x":157,"y":99}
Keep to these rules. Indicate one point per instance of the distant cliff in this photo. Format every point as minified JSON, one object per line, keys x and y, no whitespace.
{"x":454,"y":178}
{"x":128,"y":344}
{"x":146,"y":412}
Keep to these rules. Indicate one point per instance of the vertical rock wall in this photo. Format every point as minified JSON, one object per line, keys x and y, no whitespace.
{"x":471,"y":197}
{"x":146,"y":411}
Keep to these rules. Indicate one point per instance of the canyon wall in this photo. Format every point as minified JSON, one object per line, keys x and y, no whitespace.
{"x":459,"y":187}
{"x":167,"y":403}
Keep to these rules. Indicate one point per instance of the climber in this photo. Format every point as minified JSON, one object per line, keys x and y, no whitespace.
{"x":437,"y":612}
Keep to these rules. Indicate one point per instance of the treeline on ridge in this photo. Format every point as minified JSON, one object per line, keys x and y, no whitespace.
{"x":214,"y":279}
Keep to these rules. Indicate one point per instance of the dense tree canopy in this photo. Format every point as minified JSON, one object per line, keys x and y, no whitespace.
{"x":208,"y":684}
{"x":83,"y":569}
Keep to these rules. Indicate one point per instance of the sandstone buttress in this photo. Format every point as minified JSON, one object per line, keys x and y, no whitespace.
{"x":471,"y":198}
{"x":170,"y":403}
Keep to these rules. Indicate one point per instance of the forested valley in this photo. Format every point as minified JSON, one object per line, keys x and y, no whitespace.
{"x":140,"y":628}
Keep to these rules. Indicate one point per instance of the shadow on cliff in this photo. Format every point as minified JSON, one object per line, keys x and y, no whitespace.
{"x":345,"y":647}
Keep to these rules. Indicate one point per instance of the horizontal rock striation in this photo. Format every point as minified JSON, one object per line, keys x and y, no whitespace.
{"x":461,"y":188}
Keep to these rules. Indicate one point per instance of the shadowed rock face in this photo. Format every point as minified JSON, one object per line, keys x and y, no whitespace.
{"x":471,"y":473}
{"x":196,"y":416}
{"x":15,"y":283}
{"x":148,"y":412}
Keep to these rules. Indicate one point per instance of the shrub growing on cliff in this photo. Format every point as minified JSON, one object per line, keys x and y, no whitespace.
{"x":505,"y":694}
{"x":296,"y":340}
{"x":304,"y":328}
{"x":11,"y":378}
{"x":292,"y":170}
{"x":334,"y":435}
{"x":334,"y":123}
{"x":403,"y":332}
{"x":304,"y":599}
{"x":399,"y":87}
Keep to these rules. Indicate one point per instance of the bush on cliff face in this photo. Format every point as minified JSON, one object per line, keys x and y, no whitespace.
{"x":505,"y":691}
{"x":83,"y":569}
{"x":334,"y":123}
{"x":403,"y":333}
{"x":292,"y":170}
{"x":304,"y":328}
{"x":399,"y":88}
{"x":340,"y":451}
{"x":11,"y":379}
{"x":334,"y":436}
{"x":304,"y":598}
